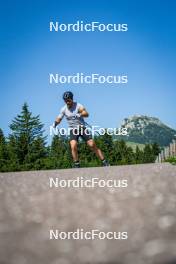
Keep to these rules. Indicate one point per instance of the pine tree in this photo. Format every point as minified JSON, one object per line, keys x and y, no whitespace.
{"x":27,"y":137}
{"x":105,"y":143}
{"x":130,"y":156}
{"x":120,"y":152}
{"x":86,"y":155}
{"x":60,"y":152}
{"x":3,"y":152}
{"x":148,"y":156}
{"x":156,"y":149}
{"x":138,"y":155}
{"x":13,"y":162}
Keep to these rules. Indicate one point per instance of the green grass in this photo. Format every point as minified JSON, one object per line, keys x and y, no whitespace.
{"x":134,"y":144}
{"x":172,"y":160}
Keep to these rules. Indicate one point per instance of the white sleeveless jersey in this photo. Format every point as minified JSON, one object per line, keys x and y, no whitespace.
{"x":70,"y":114}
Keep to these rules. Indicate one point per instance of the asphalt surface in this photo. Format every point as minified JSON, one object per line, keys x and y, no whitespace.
{"x":145,"y":211}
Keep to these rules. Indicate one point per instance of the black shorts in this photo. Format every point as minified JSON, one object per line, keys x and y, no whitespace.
{"x":82,"y":132}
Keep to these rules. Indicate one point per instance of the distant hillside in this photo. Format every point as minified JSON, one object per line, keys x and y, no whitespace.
{"x":144,"y":129}
{"x":133,"y":145}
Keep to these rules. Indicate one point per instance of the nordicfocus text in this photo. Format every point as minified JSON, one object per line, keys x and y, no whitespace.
{"x":94,"y":130}
{"x":81,"y":78}
{"x":81,"y":26}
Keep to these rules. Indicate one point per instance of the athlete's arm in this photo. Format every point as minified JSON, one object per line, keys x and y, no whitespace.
{"x":59,"y":118}
{"x":83,"y":112}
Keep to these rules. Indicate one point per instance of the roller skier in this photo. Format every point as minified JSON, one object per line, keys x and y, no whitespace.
{"x":75,"y":114}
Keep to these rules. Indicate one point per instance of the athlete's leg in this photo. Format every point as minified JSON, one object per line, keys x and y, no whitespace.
{"x":74,"y":149}
{"x":94,"y":148}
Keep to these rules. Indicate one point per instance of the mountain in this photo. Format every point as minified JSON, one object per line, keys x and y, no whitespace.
{"x":145,"y":129}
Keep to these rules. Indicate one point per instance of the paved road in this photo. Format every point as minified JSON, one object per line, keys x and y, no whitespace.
{"x":145,"y":210}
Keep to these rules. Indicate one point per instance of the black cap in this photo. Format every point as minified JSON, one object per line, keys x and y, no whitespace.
{"x":68,"y":95}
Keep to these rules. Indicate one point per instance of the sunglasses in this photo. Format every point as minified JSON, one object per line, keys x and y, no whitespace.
{"x":68,"y":100}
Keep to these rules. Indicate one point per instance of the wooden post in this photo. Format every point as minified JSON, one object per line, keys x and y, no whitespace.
{"x":159,"y":158}
{"x":170,"y":150}
{"x":174,"y":148}
{"x":162,"y":155}
{"x":166,"y":152}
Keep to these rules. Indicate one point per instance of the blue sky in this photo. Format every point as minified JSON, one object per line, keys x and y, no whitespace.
{"x":146,"y":53}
